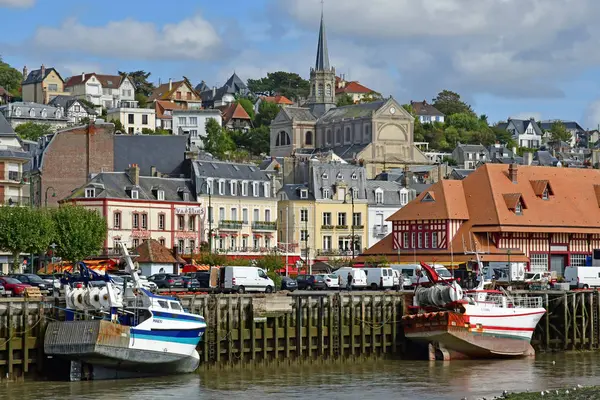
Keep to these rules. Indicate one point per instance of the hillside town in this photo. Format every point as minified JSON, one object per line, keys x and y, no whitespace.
{"x":328,"y":173}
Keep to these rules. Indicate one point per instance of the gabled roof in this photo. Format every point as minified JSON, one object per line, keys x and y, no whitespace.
{"x":574,"y":125}
{"x":298,"y":113}
{"x":35,"y":76}
{"x":391,"y":193}
{"x":352,"y":111}
{"x":163,"y":105}
{"x":110,"y":81}
{"x":165,"y":152}
{"x":235,"y":111}
{"x":201,"y":87}
{"x":67,"y":101}
{"x":5,"y":127}
{"x":424,"y":108}
{"x":353,"y":87}
{"x":150,"y":251}
{"x":78,"y":79}
{"x":278,"y":99}
{"x":235,"y":84}
{"x":512,"y":199}
{"x":162,"y":92}
{"x":540,"y":185}
{"x":521,"y":125}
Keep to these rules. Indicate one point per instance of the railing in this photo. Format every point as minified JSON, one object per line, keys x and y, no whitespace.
{"x":335,"y":252}
{"x":14,"y":176}
{"x":505,"y":301}
{"x":287,"y":247}
{"x":342,"y":227}
{"x":230,"y":250}
{"x":380,"y":230}
{"x":358,"y":226}
{"x":264,"y":225}
{"x":327,"y":227}
{"x":17,"y":201}
{"x":230,"y":225}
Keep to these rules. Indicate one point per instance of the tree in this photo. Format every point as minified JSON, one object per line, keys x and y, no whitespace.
{"x":118,"y":126}
{"x":142,"y":100}
{"x":465,"y":121}
{"x":559,"y":133}
{"x":371,"y":97}
{"x":272,"y":263}
{"x":449,"y":103}
{"x":10,"y":78}
{"x":266,"y":113}
{"x":140,"y":81}
{"x":24,"y":230}
{"x":255,"y":141}
{"x":84,"y":121}
{"x":248,"y":106}
{"x":217,"y":141}
{"x":80,"y":232}
{"x":288,"y":84}
{"x":344,"y":100}
{"x":33,"y":131}
{"x":87,"y":104}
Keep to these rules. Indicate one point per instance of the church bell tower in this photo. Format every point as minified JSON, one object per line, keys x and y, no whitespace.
{"x":322,"y":78}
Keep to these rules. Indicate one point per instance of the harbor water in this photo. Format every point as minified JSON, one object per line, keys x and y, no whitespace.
{"x":399,"y":379}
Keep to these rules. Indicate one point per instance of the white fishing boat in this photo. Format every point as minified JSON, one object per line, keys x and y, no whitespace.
{"x":478,"y":323}
{"x":114,"y":331}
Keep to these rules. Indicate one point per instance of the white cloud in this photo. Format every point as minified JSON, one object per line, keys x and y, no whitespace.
{"x":192,"y":39}
{"x":591,"y":117}
{"x":17,"y":3}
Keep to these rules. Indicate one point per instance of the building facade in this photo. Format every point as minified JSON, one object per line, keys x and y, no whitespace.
{"x":73,"y":109}
{"x":468,"y":156}
{"x":192,"y":122}
{"x":244,"y":207}
{"x":104,"y":91}
{"x":526,"y":132}
{"x":221,"y":97}
{"x":354,"y":89}
{"x":138,"y":208}
{"x":133,"y":118}
{"x":179,"y":92}
{"x":14,"y":185}
{"x":545,"y":217}
{"x":41,"y":85}
{"x":18,"y":113}
{"x":426,"y":112}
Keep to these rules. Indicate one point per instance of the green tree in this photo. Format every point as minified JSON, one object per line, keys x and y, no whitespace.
{"x":344,"y":100}
{"x":452,"y":136}
{"x":84,"y":121}
{"x":465,"y":121}
{"x":147,"y":131}
{"x":87,"y":103}
{"x":80,"y":232}
{"x":140,"y":81}
{"x":33,"y":131}
{"x":450,"y":161}
{"x":272,"y":263}
{"x":288,"y":84}
{"x":248,"y":106}
{"x":371,"y":97}
{"x":10,"y":78}
{"x":266,"y":113}
{"x":217,"y":141}
{"x":142,"y":100}
{"x":559,"y":133}
{"x":25,"y":230}
{"x":118,"y":126}
{"x":449,"y":103}
{"x":409,"y":108}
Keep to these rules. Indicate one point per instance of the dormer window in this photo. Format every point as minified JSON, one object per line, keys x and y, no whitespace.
{"x":135,"y":194}
{"x":244,"y":188}
{"x":326,"y":193}
{"x":186,"y":196}
{"x":304,"y":193}
{"x":209,"y":187}
{"x":354,"y":176}
{"x":267,"y":189}
{"x":58,"y":114}
{"x":90,"y":193}
{"x":340,"y":176}
{"x":545,"y":194}
{"x":515,"y":203}
{"x":32,"y":112}
{"x":233,"y":188}
{"x":379,"y":196}
{"x":519,"y":208}
{"x":403,"y":197}
{"x":221,"y":187}
{"x":255,"y":189}
{"x":160,"y":195}
{"x":355,"y":193}
{"x":429,"y":197}
{"x":325,"y":176}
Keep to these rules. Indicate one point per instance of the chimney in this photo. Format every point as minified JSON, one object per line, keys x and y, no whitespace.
{"x":43,"y":70}
{"x":25,"y":72}
{"x":406,"y":177}
{"x":153,"y":171}
{"x":497,"y":145}
{"x":440,"y":176}
{"x":170,"y":84}
{"x":214,"y":91}
{"x":83,"y":76}
{"x":528,"y":158}
{"x":191,"y":155}
{"x":133,"y":173}
{"x":513,"y":172}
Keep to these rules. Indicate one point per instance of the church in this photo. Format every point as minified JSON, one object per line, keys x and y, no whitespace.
{"x":378,"y":135}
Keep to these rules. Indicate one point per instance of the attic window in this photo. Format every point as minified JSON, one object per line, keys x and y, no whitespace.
{"x":379,"y":196}
{"x":542,"y":189}
{"x":90,"y":193}
{"x":325,"y":176}
{"x":354,"y":177}
{"x":340,"y":176}
{"x":545,"y":194}
{"x":519,"y":208}
{"x":325,"y":193}
{"x":160,"y":195}
{"x":428,"y":197}
{"x":186,"y":196}
{"x":135,"y":194}
{"x":304,"y":193}
{"x":515,"y":203}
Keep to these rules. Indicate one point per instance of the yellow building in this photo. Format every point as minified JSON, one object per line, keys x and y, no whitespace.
{"x":42,"y":85}
{"x":327,"y":214}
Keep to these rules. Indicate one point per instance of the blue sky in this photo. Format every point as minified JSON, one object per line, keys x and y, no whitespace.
{"x":506,"y":57}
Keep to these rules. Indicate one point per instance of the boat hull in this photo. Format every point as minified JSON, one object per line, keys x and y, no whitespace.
{"x":477,"y":333}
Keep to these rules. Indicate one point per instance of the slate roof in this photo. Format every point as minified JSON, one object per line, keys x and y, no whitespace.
{"x":201,"y":87}
{"x":328,"y":175}
{"x":424,"y":108}
{"x":117,"y":185}
{"x":571,"y":125}
{"x":67,"y":101}
{"x":391,"y":193}
{"x":545,"y":158}
{"x":352,"y":111}
{"x":165,"y":152}
{"x":228,"y":171}
{"x":26,"y":107}
{"x":5,"y":127}
{"x":322,"y":61}
{"x":292,"y":192}
{"x":299,"y":113}
{"x":35,"y":76}
{"x":521,"y":125}
{"x":233,"y":85}
{"x":151,"y":251}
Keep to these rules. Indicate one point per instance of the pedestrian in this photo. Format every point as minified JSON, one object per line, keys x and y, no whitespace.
{"x":349,"y":282}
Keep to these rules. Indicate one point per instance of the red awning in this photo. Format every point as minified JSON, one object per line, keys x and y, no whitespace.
{"x":245,"y":235}
{"x":257,"y":235}
{"x":223,"y":235}
{"x":234,"y":234}
{"x":359,"y":265}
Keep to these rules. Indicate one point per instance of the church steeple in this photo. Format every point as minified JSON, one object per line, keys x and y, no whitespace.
{"x":322,"y":63}
{"x":322,"y":78}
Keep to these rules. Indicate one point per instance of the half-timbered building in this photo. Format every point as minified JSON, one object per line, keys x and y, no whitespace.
{"x":544,"y":216}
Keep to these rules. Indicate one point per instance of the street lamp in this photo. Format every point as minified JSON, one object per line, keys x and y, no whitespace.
{"x":351,"y":194}
{"x":210,"y":214}
{"x":46,"y":195}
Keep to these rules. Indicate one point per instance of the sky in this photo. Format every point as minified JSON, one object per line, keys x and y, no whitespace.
{"x":507,"y":58}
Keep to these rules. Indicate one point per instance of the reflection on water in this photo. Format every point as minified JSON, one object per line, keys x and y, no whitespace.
{"x":374,"y":380}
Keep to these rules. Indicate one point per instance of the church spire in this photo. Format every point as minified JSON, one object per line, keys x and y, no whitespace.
{"x":322,"y":63}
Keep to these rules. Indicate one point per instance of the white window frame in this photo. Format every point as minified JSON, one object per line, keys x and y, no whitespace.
{"x":233,"y":188}
{"x":578,"y":260}
{"x":379,"y":196}
{"x":255,"y":189}
{"x":538,"y":262}
{"x":209,"y":186}
{"x":160,"y":195}
{"x":403,"y":198}
{"x":135,"y":194}
{"x":90,"y":193}
{"x":434,"y":240}
{"x":326,"y":193}
{"x":304,"y":193}
{"x":267,"y":188}
{"x":546,"y":194}
{"x":244,"y":188}
{"x":519,"y":208}
{"x":117,"y":219}
{"x":327,"y":218}
{"x":304,"y":215}
{"x":405,"y":239}
{"x":221,"y":187}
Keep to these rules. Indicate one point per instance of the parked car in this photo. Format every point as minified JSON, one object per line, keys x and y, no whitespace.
{"x":51,"y":280}
{"x":203,"y":278}
{"x":245,"y":279}
{"x":379,"y":277}
{"x":191,"y":284}
{"x":332,"y":281}
{"x":2,"y":291}
{"x":410,"y":270}
{"x":33,"y":280}
{"x":359,"y":277}
{"x":167,"y":281}
{"x":311,"y":282}
{"x":288,"y":283}
{"x":15,"y":286}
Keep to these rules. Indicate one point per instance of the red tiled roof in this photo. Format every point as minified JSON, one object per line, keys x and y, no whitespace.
{"x":150,"y":251}
{"x":110,"y":81}
{"x":162,"y":105}
{"x":162,"y":92}
{"x":79,"y":79}
{"x":279,"y":99}
{"x":353,"y":87}
{"x":235,"y":111}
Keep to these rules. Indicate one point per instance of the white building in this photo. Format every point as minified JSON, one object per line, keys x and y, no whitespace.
{"x":74,"y":109}
{"x":21,"y":112}
{"x":384,"y":199}
{"x":104,"y":91}
{"x":133,"y":118}
{"x":193,"y":122}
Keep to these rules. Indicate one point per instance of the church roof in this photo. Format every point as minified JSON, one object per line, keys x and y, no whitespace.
{"x":352,"y":111}
{"x":322,"y":62}
{"x":299,"y":113}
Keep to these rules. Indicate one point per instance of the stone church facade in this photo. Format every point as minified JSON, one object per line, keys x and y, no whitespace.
{"x":379,"y":133}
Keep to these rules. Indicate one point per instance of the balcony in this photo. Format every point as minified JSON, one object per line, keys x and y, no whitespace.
{"x":264,"y":226}
{"x":359,"y":226}
{"x":327,"y":227}
{"x":341,"y":227}
{"x":226,"y":224}
{"x":380,"y":230}
{"x":335,"y":252}
{"x":17,"y":201}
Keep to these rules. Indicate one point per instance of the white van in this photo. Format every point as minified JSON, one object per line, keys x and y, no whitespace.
{"x":245,"y":279}
{"x":359,"y":278}
{"x":583,"y":277}
{"x":379,"y":277}
{"x":410,"y":271}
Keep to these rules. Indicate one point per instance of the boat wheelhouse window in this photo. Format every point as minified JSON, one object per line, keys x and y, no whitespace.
{"x":163,"y":304}
{"x":175,"y":305}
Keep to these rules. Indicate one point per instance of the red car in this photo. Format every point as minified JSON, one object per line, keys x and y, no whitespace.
{"x":14,"y":285}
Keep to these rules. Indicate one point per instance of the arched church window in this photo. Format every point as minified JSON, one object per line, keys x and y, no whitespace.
{"x":348,"y":136}
{"x":328,"y":90}
{"x":357,"y":135}
{"x":320,"y":92}
{"x":283,"y":139}
{"x":338,"y":136}
{"x":309,"y":138}
{"x":328,"y":137}
{"x":367,"y":138}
